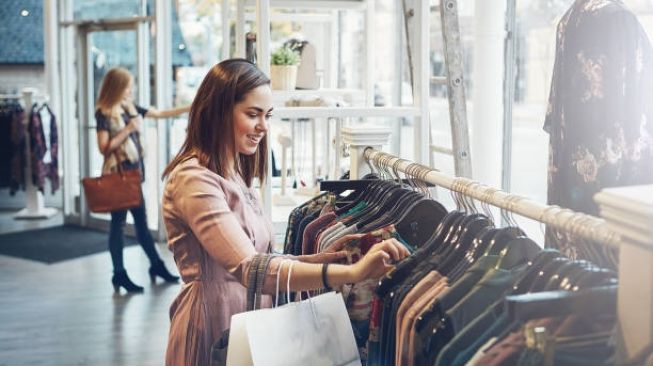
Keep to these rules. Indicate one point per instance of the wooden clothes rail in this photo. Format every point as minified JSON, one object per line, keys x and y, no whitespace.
{"x":635,"y":291}
{"x":565,"y":220}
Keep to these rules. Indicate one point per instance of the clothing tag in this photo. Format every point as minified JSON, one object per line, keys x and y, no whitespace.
{"x":45,"y":123}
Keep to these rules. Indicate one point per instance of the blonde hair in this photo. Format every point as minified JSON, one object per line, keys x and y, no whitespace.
{"x":113,"y":86}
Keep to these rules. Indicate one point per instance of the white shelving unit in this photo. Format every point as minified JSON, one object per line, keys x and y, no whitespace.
{"x":316,"y":8}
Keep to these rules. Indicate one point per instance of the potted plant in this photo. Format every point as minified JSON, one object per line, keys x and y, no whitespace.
{"x":283,"y":68}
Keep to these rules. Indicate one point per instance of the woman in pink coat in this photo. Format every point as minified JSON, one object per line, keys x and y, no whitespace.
{"x":215,"y":221}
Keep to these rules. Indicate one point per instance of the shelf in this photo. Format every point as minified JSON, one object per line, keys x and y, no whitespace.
{"x":314,"y":4}
{"x":294,"y":17}
{"x":348,"y":95}
{"x":345,"y":112}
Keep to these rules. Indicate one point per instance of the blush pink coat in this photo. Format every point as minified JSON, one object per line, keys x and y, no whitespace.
{"x":215,"y":226}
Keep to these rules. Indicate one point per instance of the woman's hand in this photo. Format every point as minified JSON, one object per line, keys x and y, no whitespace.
{"x":339,"y":244}
{"x":378,"y":260}
{"x":135,"y":123}
{"x":333,"y":254}
{"x":330,"y":257}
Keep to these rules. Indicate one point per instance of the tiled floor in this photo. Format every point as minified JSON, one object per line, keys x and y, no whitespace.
{"x":67,"y":314}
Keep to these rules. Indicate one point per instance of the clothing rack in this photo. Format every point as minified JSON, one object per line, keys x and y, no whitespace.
{"x":34,"y":202}
{"x":635,"y":291}
{"x":578,"y":224}
{"x":10,"y":96}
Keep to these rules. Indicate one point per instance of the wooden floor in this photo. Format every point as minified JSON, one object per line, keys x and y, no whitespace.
{"x":66,"y":313}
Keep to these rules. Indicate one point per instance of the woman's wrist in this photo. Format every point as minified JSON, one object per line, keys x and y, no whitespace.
{"x":338,"y":275}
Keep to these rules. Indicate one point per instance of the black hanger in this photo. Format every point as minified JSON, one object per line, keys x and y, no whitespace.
{"x":539,"y":263}
{"x":570,"y":269}
{"x":480,"y":243}
{"x":587,"y":277}
{"x":361,"y":197}
{"x":377,"y":212}
{"x":406,"y":267}
{"x":595,"y":300}
{"x":517,"y":252}
{"x":476,"y":250}
{"x":464,"y":243}
{"x":542,"y":278}
{"x":420,"y":221}
{"x":602,"y":277}
{"x":404,"y":201}
{"x":374,"y":199}
{"x":501,"y":238}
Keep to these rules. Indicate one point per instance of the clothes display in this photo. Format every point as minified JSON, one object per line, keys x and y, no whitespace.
{"x":41,"y":129}
{"x":444,"y":305}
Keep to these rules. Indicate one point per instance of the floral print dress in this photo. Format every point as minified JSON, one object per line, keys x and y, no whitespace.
{"x":600,"y":113}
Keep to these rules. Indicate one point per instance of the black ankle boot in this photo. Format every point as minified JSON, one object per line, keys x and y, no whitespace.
{"x":120,"y":279}
{"x":159,"y":269}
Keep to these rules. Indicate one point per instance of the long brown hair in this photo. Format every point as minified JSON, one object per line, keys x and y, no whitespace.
{"x":113,"y":86}
{"x":210,"y":134}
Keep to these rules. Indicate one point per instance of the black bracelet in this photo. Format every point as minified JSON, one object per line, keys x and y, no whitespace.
{"x":325,"y":283}
{"x":134,"y":116}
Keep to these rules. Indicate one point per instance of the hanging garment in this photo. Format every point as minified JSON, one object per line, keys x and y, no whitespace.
{"x":19,"y":158}
{"x":600,"y":116}
{"x":44,"y":143}
{"x":8,"y":112}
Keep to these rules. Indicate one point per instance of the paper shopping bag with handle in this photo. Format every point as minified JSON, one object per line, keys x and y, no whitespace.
{"x":315,"y":331}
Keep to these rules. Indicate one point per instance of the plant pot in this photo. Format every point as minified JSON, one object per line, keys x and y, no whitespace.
{"x":283,"y":77}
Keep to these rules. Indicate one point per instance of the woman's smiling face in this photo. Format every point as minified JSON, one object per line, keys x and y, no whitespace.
{"x":250,"y":118}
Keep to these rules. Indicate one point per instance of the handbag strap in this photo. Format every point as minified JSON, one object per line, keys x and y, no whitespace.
{"x":118,"y":162}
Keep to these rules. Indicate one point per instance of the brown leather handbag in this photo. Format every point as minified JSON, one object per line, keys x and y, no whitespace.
{"x":114,"y":191}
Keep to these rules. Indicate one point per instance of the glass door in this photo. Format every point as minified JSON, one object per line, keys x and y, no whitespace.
{"x":104,"y":49}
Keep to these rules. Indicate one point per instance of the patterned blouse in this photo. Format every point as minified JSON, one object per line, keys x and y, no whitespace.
{"x":600,"y":113}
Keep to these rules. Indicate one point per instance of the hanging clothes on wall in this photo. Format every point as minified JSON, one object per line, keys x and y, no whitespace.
{"x":600,"y":116}
{"x":18,"y":158}
{"x":11,"y":116}
{"x":44,"y":143}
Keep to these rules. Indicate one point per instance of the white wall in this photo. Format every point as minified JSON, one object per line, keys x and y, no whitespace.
{"x":13,"y":78}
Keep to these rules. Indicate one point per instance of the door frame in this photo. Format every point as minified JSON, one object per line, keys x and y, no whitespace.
{"x":87,"y":102}
{"x":69,"y":43}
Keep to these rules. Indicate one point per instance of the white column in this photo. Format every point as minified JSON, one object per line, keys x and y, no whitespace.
{"x":263,"y":35}
{"x":226,"y":39}
{"x":422,"y":75}
{"x":51,"y":66}
{"x":164,"y":86}
{"x":240,"y":29}
{"x":487,"y":131}
{"x":51,"y":53}
{"x":163,"y":61}
{"x":263,"y":63}
{"x":69,"y":135}
{"x":369,"y":54}
{"x":357,"y":139}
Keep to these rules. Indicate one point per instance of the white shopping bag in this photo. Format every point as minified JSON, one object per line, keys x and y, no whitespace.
{"x":316,"y":331}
